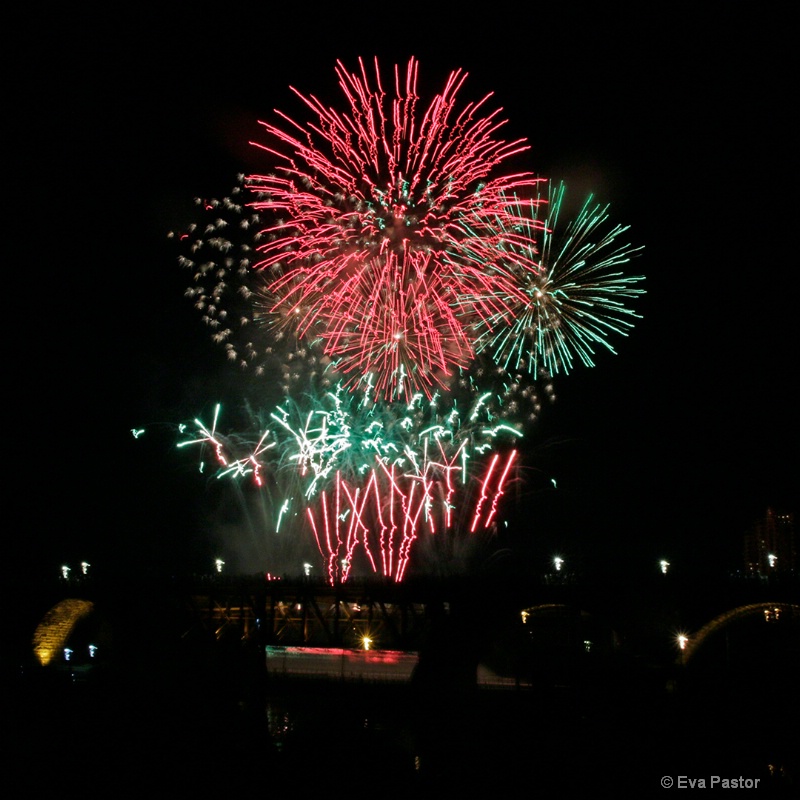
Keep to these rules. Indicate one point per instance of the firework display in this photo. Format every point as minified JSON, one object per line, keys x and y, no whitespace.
{"x":373,"y":208}
{"x":371,"y":477}
{"x":411,"y":301}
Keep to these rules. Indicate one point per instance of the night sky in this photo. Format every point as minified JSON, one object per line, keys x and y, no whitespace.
{"x":678,"y":117}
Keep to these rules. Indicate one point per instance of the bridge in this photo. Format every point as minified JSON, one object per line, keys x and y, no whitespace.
{"x":551,"y":618}
{"x":591,"y":668}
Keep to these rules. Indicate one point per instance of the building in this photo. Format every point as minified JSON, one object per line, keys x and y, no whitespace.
{"x":770,"y":547}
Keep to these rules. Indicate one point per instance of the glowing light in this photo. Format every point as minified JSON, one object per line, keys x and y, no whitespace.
{"x":558,"y":563}
{"x":54,"y":630}
{"x":683,"y":641}
{"x":664,"y":565}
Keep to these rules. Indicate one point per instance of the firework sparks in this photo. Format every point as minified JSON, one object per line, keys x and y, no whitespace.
{"x":374,"y":209}
{"x":410,"y":302}
{"x":576,"y":299}
{"x":372,"y":477}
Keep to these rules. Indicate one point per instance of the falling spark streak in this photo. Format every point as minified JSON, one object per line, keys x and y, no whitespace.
{"x":482,"y":498}
{"x":500,"y":490}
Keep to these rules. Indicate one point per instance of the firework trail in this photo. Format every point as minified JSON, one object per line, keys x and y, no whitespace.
{"x":372,"y":477}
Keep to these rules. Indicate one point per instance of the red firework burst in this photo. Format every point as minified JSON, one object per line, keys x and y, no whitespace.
{"x":385,"y":215}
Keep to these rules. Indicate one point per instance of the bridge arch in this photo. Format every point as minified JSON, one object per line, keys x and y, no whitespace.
{"x":53,"y":632}
{"x":772,"y":612}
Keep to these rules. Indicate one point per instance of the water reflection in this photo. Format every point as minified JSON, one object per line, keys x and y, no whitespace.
{"x":548,"y":738}
{"x":329,"y":735}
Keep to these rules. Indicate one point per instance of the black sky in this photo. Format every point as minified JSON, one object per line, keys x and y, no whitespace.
{"x":679,"y":117}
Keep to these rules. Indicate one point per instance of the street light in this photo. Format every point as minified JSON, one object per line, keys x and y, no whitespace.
{"x":683,"y":641}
